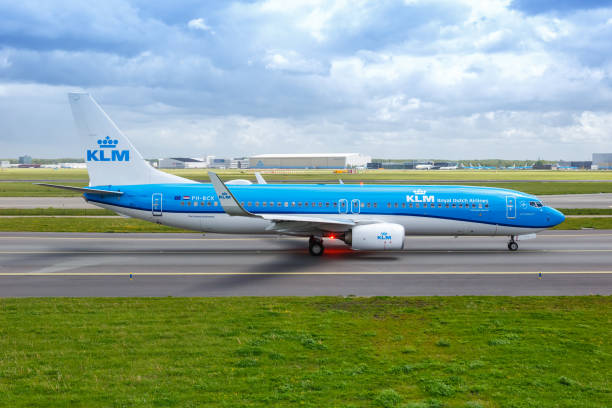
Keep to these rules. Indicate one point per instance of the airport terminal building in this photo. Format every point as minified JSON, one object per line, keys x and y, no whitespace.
{"x":309,"y":161}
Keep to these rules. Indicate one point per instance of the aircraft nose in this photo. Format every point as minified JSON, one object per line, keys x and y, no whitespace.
{"x":554,"y":217}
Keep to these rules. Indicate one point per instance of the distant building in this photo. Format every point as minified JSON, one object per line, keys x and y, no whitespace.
{"x":562,"y":164}
{"x":602,"y":161}
{"x":182,"y":163}
{"x":308,"y":161}
{"x":25,"y":159}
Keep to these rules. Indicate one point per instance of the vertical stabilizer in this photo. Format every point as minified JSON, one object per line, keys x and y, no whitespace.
{"x":110,"y":156}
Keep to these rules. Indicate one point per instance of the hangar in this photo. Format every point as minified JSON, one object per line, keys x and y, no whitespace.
{"x":308,"y":161}
{"x":602,"y":161}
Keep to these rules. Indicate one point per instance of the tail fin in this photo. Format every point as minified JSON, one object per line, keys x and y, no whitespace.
{"x":110,"y":157}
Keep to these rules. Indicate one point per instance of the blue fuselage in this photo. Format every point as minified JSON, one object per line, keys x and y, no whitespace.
{"x":480,"y":205}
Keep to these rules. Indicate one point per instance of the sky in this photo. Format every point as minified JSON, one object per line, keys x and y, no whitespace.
{"x":522,"y":79}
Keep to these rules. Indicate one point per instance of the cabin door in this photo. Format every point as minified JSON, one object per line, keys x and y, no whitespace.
{"x":342,"y":206}
{"x":510,"y":207}
{"x":156,"y":204}
{"x":355,"y":206}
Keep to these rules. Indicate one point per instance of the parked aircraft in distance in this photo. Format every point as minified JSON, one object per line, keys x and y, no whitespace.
{"x":365,"y":217}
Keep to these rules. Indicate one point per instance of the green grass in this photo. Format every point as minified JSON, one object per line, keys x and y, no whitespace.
{"x":581,"y":223}
{"x":586,"y":211}
{"x":202,"y":174}
{"x":55,"y":211}
{"x":310,"y":352}
{"x":51,"y":224}
{"x":22,"y":189}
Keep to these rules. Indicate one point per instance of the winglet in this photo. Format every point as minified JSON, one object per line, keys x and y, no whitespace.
{"x":260,"y":179}
{"x":228,"y":202}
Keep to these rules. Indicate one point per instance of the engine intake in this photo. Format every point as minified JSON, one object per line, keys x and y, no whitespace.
{"x":376,"y":237}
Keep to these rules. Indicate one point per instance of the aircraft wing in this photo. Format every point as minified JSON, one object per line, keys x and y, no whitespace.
{"x":296,"y":224}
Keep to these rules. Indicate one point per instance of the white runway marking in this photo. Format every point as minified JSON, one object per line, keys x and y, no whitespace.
{"x":149,"y":274}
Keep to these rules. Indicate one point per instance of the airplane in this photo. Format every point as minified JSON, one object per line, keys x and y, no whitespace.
{"x":365,"y":217}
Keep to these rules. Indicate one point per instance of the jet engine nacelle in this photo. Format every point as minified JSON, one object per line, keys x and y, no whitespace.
{"x":376,"y":237}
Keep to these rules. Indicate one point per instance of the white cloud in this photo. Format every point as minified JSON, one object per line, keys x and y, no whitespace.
{"x":198,"y":24}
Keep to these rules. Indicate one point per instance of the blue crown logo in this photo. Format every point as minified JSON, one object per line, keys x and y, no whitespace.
{"x":107,"y":143}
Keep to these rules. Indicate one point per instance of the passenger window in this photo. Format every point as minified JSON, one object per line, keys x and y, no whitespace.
{"x":189,"y":203}
{"x":486,"y":205}
{"x":216,"y":203}
{"x":369,"y":205}
{"x":195,"y":203}
{"x":265,"y":204}
{"x":306,"y":204}
{"x":446,"y":205}
{"x":335,"y":204}
{"x":362,"y":205}
{"x":439,"y":205}
{"x":454,"y":205}
{"x":473,"y":205}
{"x":375,"y":205}
{"x":479,"y":205}
{"x":182,"y":203}
{"x":388,"y":205}
{"x":209,"y":204}
{"x":327,"y":204}
{"x":410,"y":205}
{"x":417,"y":205}
{"x":314,"y":204}
{"x":241,"y":203}
{"x":279,"y":204}
{"x":250,"y":204}
{"x":395,"y":205}
{"x":403,"y":205}
{"x":299,"y":203}
{"x":271,"y":203}
{"x":287,"y":204}
{"x":256,"y":203}
{"x":293,"y":203}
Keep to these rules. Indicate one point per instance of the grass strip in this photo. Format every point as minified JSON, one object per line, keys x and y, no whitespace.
{"x":586,"y":211}
{"x":55,"y":211}
{"x":202,"y":174}
{"x":19,"y":189}
{"x":310,"y":352}
{"x":585,"y":223}
{"x":50,"y":224}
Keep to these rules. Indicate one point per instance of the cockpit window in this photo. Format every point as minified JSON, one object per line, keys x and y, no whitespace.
{"x":537,"y":204}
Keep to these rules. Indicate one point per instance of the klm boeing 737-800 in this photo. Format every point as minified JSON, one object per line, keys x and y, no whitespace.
{"x":365,"y":217}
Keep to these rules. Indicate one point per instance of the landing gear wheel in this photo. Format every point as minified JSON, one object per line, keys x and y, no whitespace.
{"x":512,"y":246}
{"x":315,"y":246}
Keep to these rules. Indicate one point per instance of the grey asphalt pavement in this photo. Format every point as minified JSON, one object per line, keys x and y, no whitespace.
{"x":64,"y":264}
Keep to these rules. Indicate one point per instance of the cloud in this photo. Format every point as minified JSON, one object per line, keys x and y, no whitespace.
{"x":391,"y":78}
{"x":198,"y":24}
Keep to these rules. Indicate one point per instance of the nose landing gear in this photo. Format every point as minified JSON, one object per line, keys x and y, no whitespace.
{"x":315,"y":246}
{"x":512,"y":245}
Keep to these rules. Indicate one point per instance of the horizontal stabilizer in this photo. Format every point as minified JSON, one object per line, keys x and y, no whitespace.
{"x":82,"y":189}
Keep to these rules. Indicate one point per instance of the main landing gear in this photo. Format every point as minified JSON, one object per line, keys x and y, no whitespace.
{"x":315,"y":246}
{"x":512,"y":245}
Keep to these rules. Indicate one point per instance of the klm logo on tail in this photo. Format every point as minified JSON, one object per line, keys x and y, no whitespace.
{"x":107,"y":151}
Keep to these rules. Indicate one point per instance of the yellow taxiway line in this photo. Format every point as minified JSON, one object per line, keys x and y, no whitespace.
{"x":149,"y":274}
